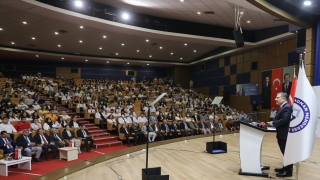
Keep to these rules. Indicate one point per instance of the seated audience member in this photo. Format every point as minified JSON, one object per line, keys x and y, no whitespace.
{"x":193,"y":125}
{"x":178,"y":117}
{"x":28,"y":144}
{"x":68,"y":135}
{"x":6,"y":143}
{"x":86,"y":137}
{"x":157,"y":129}
{"x":35,"y":125}
{"x":12,"y":117}
{"x":91,"y":111}
{"x":35,"y":115}
{"x":111,"y":120}
{"x":30,"y":111}
{"x":229,"y":125}
{"x":220,"y":125}
{"x":204,"y":116}
{"x":131,"y":118}
{"x":26,"y":115}
{"x":142,"y":118}
{"x":6,"y":126}
{"x":204,"y":127}
{"x":211,"y":126}
{"x":236,"y":124}
{"x":196,"y":117}
{"x":122,"y":119}
{"x":185,"y":128}
{"x":127,"y":133}
{"x":82,"y":106}
{"x":64,"y":115}
{"x":145,"y":128}
{"x":170,"y":117}
{"x":101,"y":117}
{"x":175,"y":129}
{"x":136,"y":130}
{"x":61,"y":122}
{"x":51,"y":115}
{"x":166,"y":128}
{"x":229,"y":116}
{"x":242,"y":115}
{"x":22,"y":105}
{"x":57,"y":139}
{"x":44,"y":110}
{"x":22,"y":125}
{"x":48,"y":124}
{"x":36,"y":106}
{"x":152,"y":117}
{"x":74,"y":122}
{"x":44,"y":141}
{"x":160,"y":118}
{"x":188,"y":118}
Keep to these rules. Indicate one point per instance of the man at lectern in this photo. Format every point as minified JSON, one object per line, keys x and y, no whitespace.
{"x":281,"y":122}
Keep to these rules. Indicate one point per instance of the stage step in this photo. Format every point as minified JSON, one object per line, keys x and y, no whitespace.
{"x":100,"y":134}
{"x":107,"y":143}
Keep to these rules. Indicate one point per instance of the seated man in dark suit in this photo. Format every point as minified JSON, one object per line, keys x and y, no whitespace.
{"x":166,"y":128}
{"x":193,"y":125}
{"x":175,"y":129}
{"x":203,"y":126}
{"x":185,"y":128}
{"x":6,"y":143}
{"x":74,"y":123}
{"x":85,"y":136}
{"x":46,"y":142}
{"x":29,"y":145}
{"x":57,"y":139}
{"x":156,"y":128}
{"x":127,"y":133}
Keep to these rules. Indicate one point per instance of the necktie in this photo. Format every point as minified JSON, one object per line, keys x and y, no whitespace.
{"x":167,"y":128}
{"x":156,"y":127}
{"x":27,"y":139}
{"x":44,"y":139}
{"x":132,"y":119}
{"x":57,"y":137}
{"x":185,"y":126}
{"x":126,"y":130}
{"x":84,"y":133}
{"x":175,"y":127}
{"x":9,"y":146}
{"x":203,"y":125}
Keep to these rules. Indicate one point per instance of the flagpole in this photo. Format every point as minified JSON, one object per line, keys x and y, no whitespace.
{"x":297,"y":171}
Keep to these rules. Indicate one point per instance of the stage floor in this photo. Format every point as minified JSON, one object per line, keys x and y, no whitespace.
{"x":188,"y":161}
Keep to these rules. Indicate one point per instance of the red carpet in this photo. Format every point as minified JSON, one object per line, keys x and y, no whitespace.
{"x":40,"y":168}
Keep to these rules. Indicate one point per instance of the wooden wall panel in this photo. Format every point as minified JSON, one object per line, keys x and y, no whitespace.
{"x":310,"y":57}
{"x":246,"y":57}
{"x":263,"y":52}
{"x":246,"y":66}
{"x":203,"y":90}
{"x":254,"y":54}
{"x":233,"y":79}
{"x":282,"y":48}
{"x":263,"y":64}
{"x":272,"y":62}
{"x":233,"y":60}
{"x":239,"y":58}
{"x":227,"y":70}
{"x":66,"y":72}
{"x":282,"y":60}
{"x":292,"y":45}
{"x":221,"y":62}
{"x":239,"y":68}
{"x":254,"y":76}
{"x":309,"y":70}
{"x":272,"y":50}
{"x":245,"y":99}
{"x":260,"y":85}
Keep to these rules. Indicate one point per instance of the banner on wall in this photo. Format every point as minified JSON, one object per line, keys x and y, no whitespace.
{"x":276,"y":81}
{"x":266,"y":89}
{"x":248,"y":89}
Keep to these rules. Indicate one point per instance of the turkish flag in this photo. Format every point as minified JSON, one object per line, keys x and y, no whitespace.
{"x":293,"y":90}
{"x":276,"y":75}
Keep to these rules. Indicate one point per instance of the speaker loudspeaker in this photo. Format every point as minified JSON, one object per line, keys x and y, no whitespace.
{"x":238,"y":38}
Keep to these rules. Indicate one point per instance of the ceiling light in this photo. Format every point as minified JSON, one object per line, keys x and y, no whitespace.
{"x":56,"y":32}
{"x":122,"y":44}
{"x":33,"y":38}
{"x":86,"y":59}
{"x":24,"y":22}
{"x":181,"y":58}
{"x":37,"y":56}
{"x":147,"y":64}
{"x":81,"y":27}
{"x":195,"y":51}
{"x":199,"y":12}
{"x":107,"y":61}
{"x":147,"y":40}
{"x":59,"y":45}
{"x":125,"y":16}
{"x":104,"y":36}
{"x":78,"y":3}
{"x":160,"y":47}
{"x":138,"y":51}
{"x":12,"y":42}
{"x":185,"y":44}
{"x":150,"y":56}
{"x":128,"y":63}
{"x":307,"y":3}
{"x":80,"y":41}
{"x":241,"y":12}
{"x":100,"y":48}
{"x":181,"y":0}
{"x":62,"y":58}
{"x":0,"y":29}
{"x":171,"y":53}
{"x":117,"y":54}
{"x":248,"y":21}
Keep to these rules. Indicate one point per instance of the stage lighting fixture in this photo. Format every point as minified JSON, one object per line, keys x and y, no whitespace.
{"x":125,"y":16}
{"x":307,"y":3}
{"x":78,"y":3}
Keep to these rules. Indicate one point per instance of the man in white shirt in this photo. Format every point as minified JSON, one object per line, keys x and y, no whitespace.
{"x":64,"y":115}
{"x":131,"y":118}
{"x":142,"y":118}
{"x":30,"y":111}
{"x":36,"y":106}
{"x":5,"y":126}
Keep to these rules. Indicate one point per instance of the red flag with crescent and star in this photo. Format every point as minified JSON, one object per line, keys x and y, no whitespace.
{"x":276,"y":86}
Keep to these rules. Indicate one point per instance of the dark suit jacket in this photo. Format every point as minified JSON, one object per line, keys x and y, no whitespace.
{"x":282,"y":121}
{"x":194,"y":117}
{"x":163,"y":127}
{"x":66,"y":136}
{"x":154,"y":127}
{"x":266,"y":91}
{"x":182,"y":126}
{"x":37,"y":138}
{"x":80,"y":134}
{"x":172,"y":127}
{"x":122,"y":130}
{"x":71,"y":124}
{"x":5,"y":149}
{"x":289,"y":88}
{"x":200,"y":125}
{"x":21,"y":141}
{"x":56,"y":140}
{"x":193,"y":126}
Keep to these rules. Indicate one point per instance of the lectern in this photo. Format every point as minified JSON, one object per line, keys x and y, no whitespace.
{"x":251,"y":138}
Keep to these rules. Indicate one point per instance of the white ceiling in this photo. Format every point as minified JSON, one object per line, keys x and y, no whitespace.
{"x":187,"y":11}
